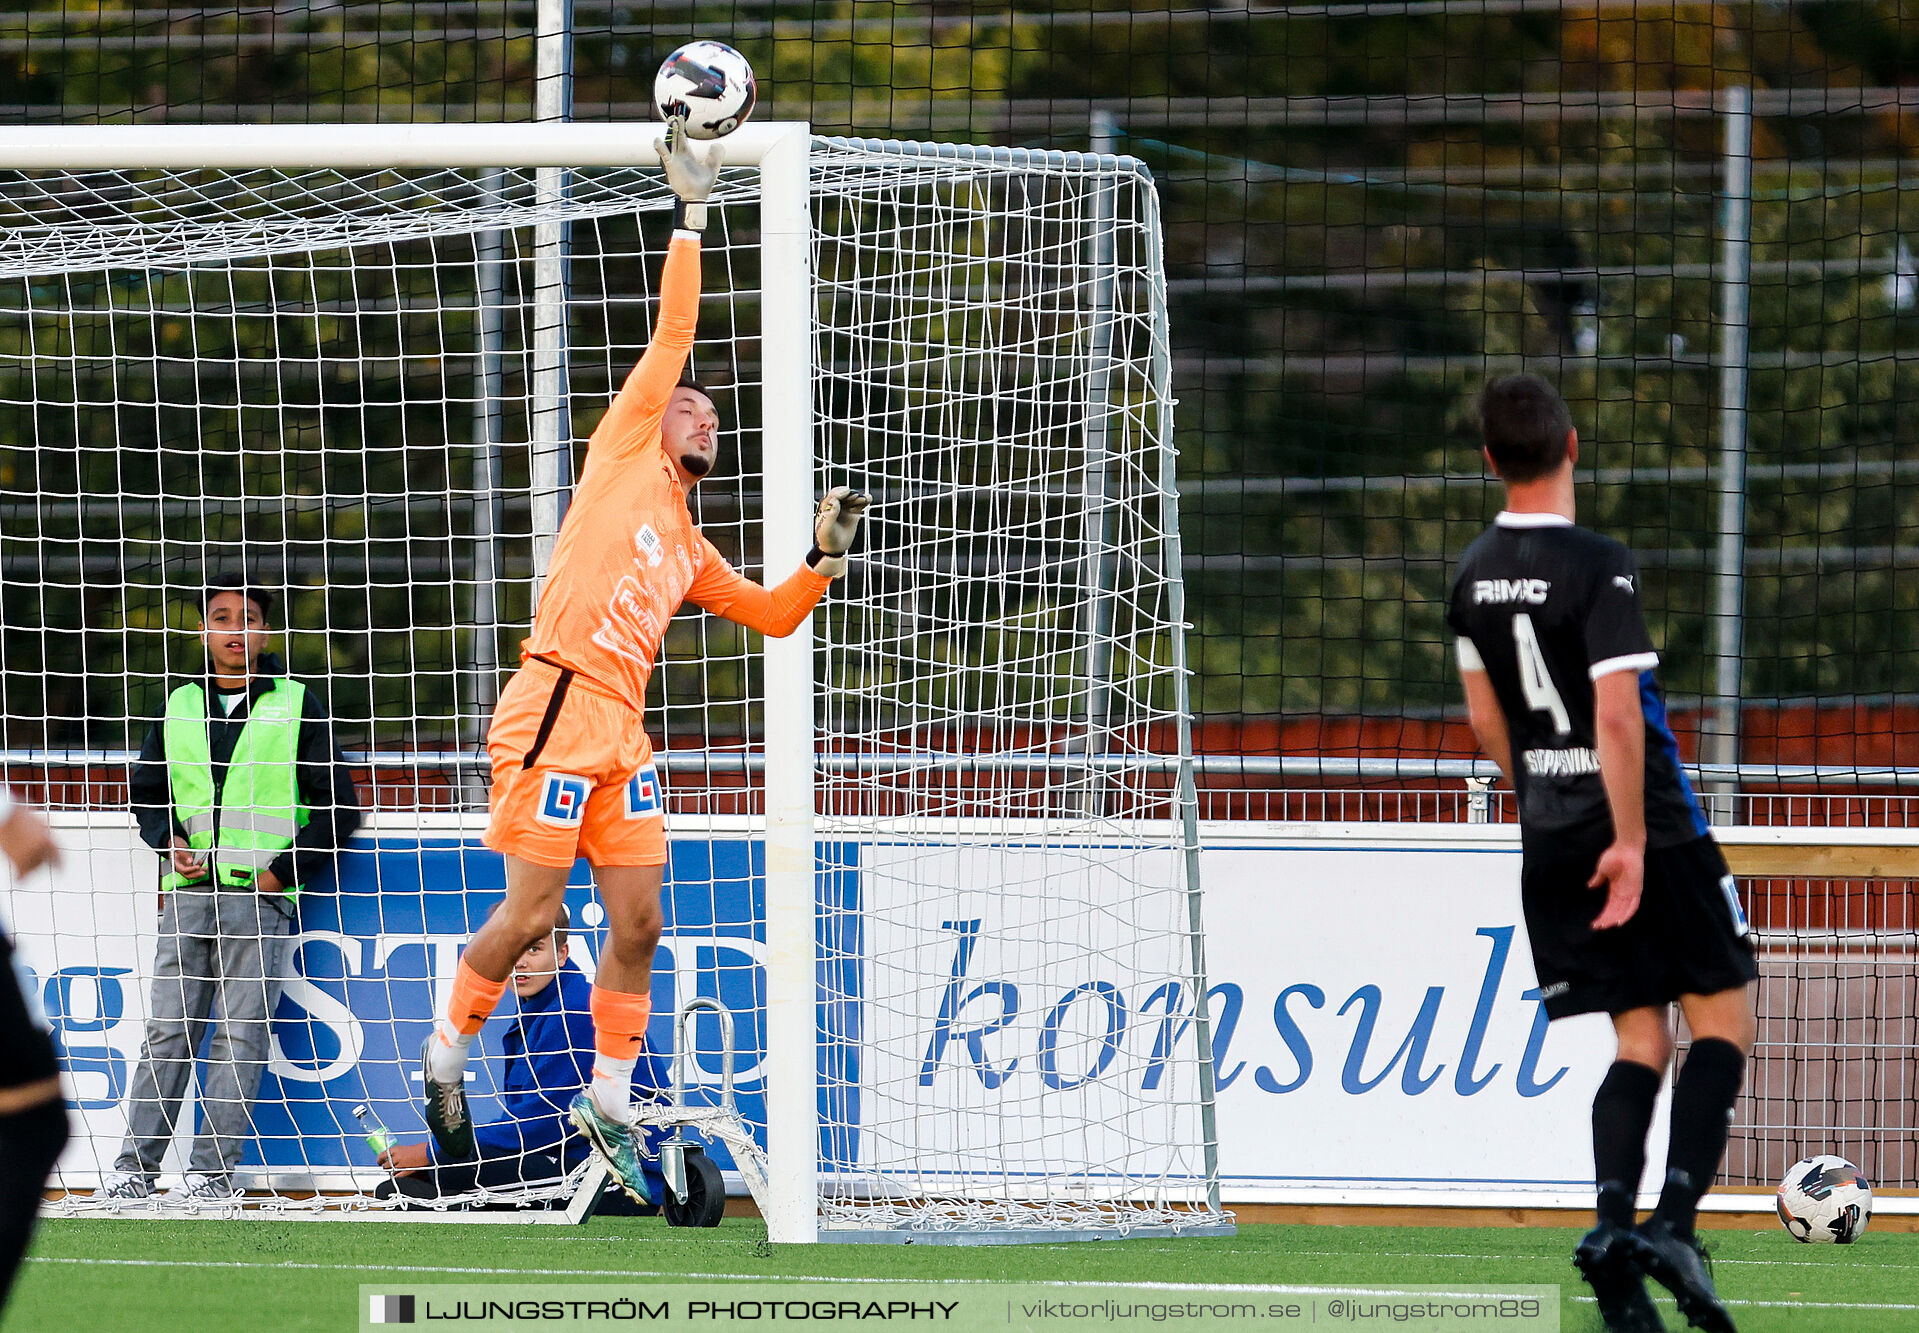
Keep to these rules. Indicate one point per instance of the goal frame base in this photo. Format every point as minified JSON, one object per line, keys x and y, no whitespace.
{"x":1019,"y":1236}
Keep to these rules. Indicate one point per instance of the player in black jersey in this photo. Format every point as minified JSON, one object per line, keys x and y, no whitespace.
{"x":33,"y":1113}
{"x":1628,"y":902}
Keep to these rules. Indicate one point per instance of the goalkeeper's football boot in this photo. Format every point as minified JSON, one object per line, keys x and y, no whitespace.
{"x":446,"y":1113}
{"x":1606,"y":1257}
{"x":615,"y":1143}
{"x":1678,"y":1264}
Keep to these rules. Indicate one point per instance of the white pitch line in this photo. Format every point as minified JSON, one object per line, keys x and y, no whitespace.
{"x":1793,"y":1305}
{"x":1819,"y":1305}
{"x":1810,"y":1263}
{"x":1273,"y":1289}
{"x":1521,"y":1258}
{"x":424,"y":1268}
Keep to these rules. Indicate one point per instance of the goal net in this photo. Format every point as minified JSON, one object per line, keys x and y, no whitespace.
{"x":368,"y":391}
{"x":1003,"y":688}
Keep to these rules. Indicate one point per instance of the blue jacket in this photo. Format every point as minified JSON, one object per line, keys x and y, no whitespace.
{"x":549,"y":1059}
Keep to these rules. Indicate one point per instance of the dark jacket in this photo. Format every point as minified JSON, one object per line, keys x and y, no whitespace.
{"x":324,"y":783}
{"x":549,"y":1060}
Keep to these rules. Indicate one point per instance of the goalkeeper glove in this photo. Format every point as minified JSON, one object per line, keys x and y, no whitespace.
{"x":835,"y":524}
{"x":691,"y":173}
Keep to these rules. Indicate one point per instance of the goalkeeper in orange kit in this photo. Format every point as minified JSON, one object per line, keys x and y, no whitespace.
{"x":573,"y":771}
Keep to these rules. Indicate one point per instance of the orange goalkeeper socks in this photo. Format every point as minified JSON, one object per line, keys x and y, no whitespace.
{"x":473,"y":1000}
{"x":619,"y":1035}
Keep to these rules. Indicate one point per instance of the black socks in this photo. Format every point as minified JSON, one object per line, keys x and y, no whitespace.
{"x":1622,"y":1113}
{"x":1702,"y":1101}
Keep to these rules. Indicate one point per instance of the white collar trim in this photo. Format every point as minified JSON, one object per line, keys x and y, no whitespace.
{"x":1508,"y":519}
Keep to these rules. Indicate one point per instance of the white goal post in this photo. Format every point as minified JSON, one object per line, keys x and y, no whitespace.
{"x":978,"y":754}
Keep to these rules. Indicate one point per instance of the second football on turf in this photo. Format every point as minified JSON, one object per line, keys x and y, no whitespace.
{"x":1825,"y":1199}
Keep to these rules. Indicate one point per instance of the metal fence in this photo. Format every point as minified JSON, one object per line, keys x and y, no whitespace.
{"x":1694,"y":219}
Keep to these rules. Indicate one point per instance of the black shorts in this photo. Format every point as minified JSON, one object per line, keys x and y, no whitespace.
{"x":26,"y":1047}
{"x":1689,"y":936}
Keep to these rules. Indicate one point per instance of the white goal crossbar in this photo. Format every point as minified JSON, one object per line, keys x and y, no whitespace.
{"x":374,"y":148}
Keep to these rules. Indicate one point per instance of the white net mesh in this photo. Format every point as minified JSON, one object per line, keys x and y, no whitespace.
{"x":325,"y":383}
{"x":331,"y":383}
{"x":1001,"y":692}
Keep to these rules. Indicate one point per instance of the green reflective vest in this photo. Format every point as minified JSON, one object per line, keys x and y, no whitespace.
{"x":255,"y":815}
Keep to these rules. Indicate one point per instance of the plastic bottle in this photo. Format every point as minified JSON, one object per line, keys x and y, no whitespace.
{"x":377,"y":1136}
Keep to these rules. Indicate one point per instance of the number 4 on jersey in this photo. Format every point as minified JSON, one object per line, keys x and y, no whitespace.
{"x":1535,"y":681}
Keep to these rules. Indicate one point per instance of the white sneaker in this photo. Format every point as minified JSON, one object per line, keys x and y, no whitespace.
{"x":124,"y":1185}
{"x":195,"y":1189}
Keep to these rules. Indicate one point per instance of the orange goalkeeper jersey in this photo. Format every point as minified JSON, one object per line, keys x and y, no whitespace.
{"x":628,"y":552}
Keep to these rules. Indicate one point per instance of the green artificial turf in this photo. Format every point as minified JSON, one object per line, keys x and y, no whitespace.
{"x":247,"y":1276}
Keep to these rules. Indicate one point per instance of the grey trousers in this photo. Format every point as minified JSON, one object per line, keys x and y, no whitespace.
{"x":221,"y":962}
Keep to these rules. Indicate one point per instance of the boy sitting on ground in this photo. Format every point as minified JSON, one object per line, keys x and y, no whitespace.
{"x":549,"y":1059}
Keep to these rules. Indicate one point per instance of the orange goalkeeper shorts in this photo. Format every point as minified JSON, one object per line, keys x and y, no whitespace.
{"x":573,"y":774}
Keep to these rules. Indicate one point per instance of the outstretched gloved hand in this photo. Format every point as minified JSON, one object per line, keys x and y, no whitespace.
{"x":835,"y":524}
{"x":692,"y":172}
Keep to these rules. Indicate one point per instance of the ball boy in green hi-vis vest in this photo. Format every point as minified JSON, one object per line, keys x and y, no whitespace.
{"x":242,"y":791}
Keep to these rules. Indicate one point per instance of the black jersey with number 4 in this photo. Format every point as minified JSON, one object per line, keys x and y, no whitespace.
{"x":1545,"y":608}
